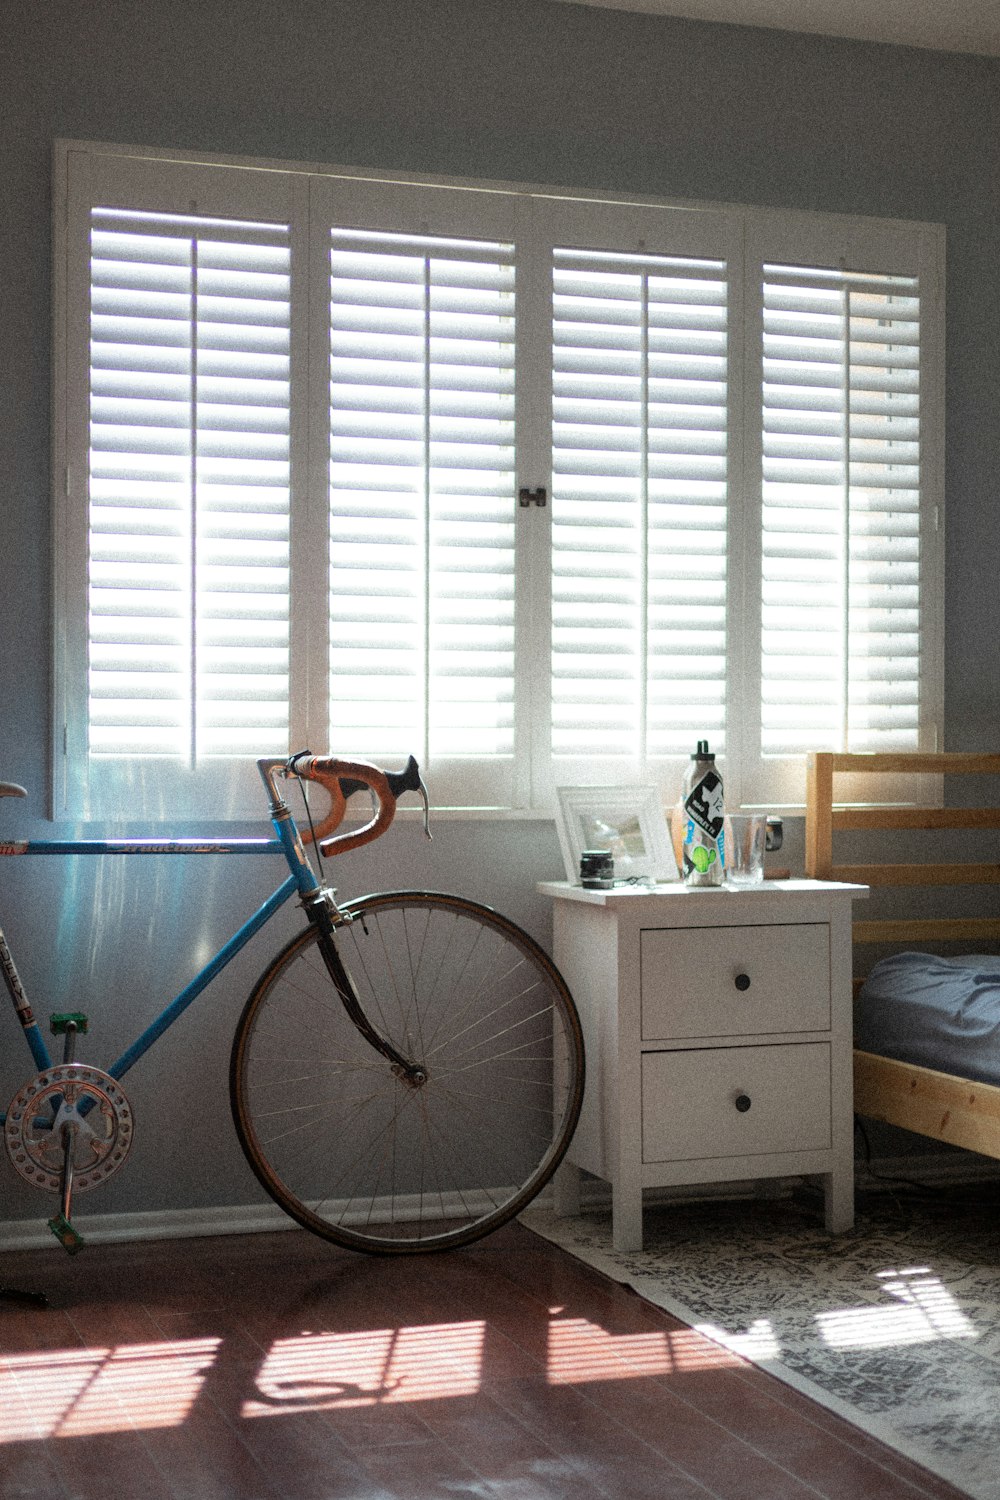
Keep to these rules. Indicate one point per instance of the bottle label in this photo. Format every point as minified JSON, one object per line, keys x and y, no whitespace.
{"x":704,"y":804}
{"x":703,"y":836}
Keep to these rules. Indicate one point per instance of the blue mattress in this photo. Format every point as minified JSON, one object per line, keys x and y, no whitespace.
{"x":941,"y":1013}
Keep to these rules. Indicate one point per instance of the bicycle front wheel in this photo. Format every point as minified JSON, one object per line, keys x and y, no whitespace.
{"x":390,"y":1160}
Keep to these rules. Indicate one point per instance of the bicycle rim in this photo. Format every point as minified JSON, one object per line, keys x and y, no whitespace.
{"x":358,"y":1152}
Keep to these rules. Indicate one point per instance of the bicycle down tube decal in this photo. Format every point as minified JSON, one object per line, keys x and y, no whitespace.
{"x":14,"y":987}
{"x":19,"y":848}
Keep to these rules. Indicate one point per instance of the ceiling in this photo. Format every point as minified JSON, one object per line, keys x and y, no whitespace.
{"x":946,"y":25}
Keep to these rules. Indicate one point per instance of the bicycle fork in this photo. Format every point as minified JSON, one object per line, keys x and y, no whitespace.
{"x":408,"y":1071}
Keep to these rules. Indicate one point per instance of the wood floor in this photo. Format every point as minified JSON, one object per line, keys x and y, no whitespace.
{"x":275,"y":1366}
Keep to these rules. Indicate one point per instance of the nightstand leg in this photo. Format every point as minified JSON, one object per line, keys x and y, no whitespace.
{"x":626,"y":1219}
{"x":838,"y":1189}
{"x":566,"y":1191}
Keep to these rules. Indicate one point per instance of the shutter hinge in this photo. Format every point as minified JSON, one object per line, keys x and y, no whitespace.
{"x":526,"y":497}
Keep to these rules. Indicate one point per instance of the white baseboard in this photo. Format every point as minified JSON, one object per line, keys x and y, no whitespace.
{"x":928,"y":1169}
{"x":169,"y":1224}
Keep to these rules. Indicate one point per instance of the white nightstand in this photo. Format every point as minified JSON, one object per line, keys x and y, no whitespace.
{"x":718,"y":1028}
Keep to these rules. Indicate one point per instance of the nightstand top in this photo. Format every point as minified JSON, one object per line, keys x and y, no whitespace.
{"x":676,"y":891}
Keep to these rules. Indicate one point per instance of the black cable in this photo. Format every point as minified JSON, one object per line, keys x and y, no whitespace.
{"x":949,"y":1195}
{"x":320,"y":867}
{"x":922,"y":1188}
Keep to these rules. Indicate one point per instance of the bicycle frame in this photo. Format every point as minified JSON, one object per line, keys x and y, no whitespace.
{"x":301,"y":881}
{"x":460,"y":1021}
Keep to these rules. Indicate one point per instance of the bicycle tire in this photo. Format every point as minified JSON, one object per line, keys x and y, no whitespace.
{"x":346,"y":1145}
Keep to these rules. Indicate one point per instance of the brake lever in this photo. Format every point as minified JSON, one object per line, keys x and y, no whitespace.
{"x":427,"y":808}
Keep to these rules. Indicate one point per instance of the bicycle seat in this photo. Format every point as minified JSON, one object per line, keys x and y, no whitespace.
{"x":11,"y":789}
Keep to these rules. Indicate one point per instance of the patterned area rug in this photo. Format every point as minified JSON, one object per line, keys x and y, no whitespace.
{"x":895,"y":1326}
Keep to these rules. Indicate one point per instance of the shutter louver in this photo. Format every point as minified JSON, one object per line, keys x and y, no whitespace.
{"x":639,"y":499}
{"x":841,"y":511}
{"x":189,"y":486}
{"x":421,"y":496}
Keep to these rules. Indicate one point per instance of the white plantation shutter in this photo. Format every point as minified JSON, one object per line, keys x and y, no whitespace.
{"x":841,"y":630}
{"x":421,"y":496}
{"x":188,"y":601}
{"x":296,"y":410}
{"x":639,"y":504}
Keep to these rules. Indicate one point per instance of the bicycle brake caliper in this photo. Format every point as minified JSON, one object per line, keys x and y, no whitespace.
{"x":324,"y":897}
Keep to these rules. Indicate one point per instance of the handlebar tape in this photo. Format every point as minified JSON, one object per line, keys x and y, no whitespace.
{"x":386,"y":786}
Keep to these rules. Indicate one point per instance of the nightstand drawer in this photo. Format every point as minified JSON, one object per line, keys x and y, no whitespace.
{"x":735,"y":1101}
{"x":734,"y":981}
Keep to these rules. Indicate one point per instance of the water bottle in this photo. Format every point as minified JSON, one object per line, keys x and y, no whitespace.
{"x":703,"y":851}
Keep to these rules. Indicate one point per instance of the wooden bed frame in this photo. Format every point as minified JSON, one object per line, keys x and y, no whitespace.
{"x":940,"y":1105}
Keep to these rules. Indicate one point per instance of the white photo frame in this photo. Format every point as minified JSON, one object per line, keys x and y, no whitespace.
{"x":628,"y":821}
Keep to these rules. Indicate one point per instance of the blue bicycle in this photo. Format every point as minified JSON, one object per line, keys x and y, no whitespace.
{"x":406,"y":1074}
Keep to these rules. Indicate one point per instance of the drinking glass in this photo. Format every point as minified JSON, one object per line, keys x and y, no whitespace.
{"x":745,"y":836}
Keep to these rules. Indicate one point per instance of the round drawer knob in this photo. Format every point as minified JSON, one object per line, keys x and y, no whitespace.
{"x":743,"y":1102}
{"x":742,"y":981}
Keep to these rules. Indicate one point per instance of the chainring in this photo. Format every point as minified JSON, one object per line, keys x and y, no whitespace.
{"x":95,"y":1107}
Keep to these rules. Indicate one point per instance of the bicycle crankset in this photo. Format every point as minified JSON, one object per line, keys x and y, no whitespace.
{"x":76,"y":1098}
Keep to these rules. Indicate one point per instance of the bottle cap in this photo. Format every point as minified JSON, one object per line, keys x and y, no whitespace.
{"x":703,"y":752}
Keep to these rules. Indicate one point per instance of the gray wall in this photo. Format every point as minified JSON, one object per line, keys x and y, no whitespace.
{"x":519,"y":90}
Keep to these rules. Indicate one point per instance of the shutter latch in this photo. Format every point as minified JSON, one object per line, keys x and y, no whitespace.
{"x":526,"y":497}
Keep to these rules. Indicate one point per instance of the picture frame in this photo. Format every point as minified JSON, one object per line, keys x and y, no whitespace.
{"x":628,"y":821}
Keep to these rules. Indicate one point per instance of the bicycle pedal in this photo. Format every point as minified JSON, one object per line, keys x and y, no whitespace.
{"x":67,"y":1236}
{"x":61,"y":1022}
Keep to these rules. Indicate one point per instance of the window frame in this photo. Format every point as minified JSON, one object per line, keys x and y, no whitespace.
{"x":539,"y":216}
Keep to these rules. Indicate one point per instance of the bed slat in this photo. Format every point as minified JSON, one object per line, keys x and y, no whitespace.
{"x":929,"y":930}
{"x":934,"y":763}
{"x":938,"y":1105}
{"x":951,"y":874}
{"x":915,"y":817}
